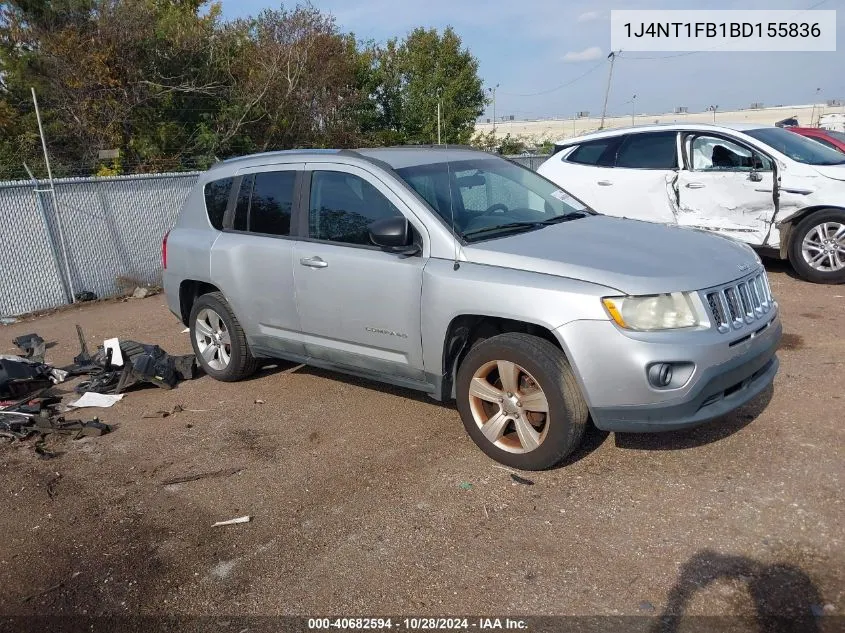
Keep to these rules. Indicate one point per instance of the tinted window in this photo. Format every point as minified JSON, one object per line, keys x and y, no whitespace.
{"x":216,"y":200}
{"x":272,"y":202}
{"x":798,"y":148}
{"x":824,"y":141}
{"x":242,"y":206}
{"x":711,"y":153}
{"x":655,"y":150}
{"x":601,"y":152}
{"x":343,"y":206}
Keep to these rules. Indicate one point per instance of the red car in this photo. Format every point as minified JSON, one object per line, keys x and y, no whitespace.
{"x":833,"y":139}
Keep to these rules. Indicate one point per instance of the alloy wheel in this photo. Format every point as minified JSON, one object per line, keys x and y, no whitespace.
{"x":213,"y":340}
{"x":509,"y":406}
{"x":823,"y":248}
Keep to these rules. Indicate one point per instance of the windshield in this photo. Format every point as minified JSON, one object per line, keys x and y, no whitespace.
{"x":798,"y":148}
{"x":491,"y":197}
{"x":839,"y":136}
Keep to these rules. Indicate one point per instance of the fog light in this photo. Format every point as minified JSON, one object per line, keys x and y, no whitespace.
{"x":660,"y":375}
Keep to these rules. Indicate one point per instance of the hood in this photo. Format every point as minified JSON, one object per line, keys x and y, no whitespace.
{"x":837,"y":172}
{"x":631,"y":256}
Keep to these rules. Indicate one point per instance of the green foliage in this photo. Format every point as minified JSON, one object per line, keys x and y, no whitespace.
{"x":512,"y":145}
{"x":173,"y":86}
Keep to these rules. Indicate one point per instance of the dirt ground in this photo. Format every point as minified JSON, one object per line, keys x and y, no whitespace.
{"x":370,"y":500}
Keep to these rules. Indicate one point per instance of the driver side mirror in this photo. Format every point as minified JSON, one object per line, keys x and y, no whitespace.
{"x":394,"y":235}
{"x":754,"y":175}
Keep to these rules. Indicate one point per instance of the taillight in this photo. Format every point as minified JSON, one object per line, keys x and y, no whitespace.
{"x":164,"y":251}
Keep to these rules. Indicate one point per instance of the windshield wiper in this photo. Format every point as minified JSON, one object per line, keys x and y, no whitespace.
{"x":504,"y":227}
{"x":528,"y":225}
{"x":565,"y":218}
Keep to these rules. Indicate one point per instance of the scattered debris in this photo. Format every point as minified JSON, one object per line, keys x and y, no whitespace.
{"x":141,"y":293}
{"x":522,"y":480}
{"x":259,"y":402}
{"x":119,"y":365}
{"x":8,"y":320}
{"x":45,"y":453}
{"x":226,"y":472}
{"x":51,"y":485}
{"x":85,"y":295}
{"x":486,"y":516}
{"x":58,"y":585}
{"x":244,"y":519}
{"x":93,"y":399}
{"x":646,"y":606}
{"x":505,"y":468}
{"x":186,"y":330}
{"x":20,"y":376}
{"x":465,"y":485}
{"x":33,"y":346}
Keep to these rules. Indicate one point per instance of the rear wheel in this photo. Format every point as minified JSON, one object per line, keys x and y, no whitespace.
{"x":520,"y":402}
{"x":817,"y":249}
{"x":218,"y":340}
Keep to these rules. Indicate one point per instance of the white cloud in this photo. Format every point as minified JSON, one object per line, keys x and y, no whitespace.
{"x":589,"y":16}
{"x":587,"y":55}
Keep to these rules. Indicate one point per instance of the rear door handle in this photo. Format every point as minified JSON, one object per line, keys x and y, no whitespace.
{"x":695,"y":185}
{"x":604,"y":183}
{"x":313,"y":262}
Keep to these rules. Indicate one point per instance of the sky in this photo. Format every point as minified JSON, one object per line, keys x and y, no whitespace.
{"x":548,"y":57}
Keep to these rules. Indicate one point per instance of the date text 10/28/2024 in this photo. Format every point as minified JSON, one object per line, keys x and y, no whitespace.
{"x":418,"y":624}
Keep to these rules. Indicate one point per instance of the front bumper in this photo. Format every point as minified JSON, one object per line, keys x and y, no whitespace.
{"x":611,"y":366}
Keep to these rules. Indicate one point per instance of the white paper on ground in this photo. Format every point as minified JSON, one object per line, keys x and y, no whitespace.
{"x":186,"y":330}
{"x":91,"y":399}
{"x":113,"y":344}
{"x":233,"y":521}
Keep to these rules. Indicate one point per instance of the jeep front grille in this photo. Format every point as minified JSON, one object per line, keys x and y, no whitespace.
{"x":740,"y":303}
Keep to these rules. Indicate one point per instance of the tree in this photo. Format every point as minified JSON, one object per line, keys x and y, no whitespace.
{"x":411,"y":76}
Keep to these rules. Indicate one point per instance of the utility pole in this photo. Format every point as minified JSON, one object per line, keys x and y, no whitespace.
{"x":439,"y":94}
{"x":612,"y":57}
{"x":493,"y":92}
{"x":633,"y":105}
{"x":72,"y":298}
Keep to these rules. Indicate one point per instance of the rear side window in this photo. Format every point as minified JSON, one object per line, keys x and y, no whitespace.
{"x":265,"y":203}
{"x":601,"y":152}
{"x":648,"y":150}
{"x":217,"y":199}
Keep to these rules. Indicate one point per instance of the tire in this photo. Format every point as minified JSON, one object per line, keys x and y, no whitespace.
{"x":530,"y":361}
{"x":814,"y":229}
{"x":240,"y":363}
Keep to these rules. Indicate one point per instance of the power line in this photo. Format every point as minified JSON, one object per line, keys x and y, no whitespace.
{"x":556,"y":88}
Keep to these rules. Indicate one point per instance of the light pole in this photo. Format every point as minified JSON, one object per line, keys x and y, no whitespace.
{"x":493,"y":92}
{"x":439,"y":93}
{"x":633,"y":105}
{"x":612,"y":57}
{"x":713,"y":109}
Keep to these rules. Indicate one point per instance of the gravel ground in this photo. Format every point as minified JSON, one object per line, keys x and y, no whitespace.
{"x":371,"y":500}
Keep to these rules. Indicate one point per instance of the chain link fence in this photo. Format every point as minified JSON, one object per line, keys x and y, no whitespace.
{"x":105,"y":235}
{"x":532,"y":161}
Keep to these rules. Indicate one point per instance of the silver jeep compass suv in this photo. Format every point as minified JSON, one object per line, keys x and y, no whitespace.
{"x":468,"y":277}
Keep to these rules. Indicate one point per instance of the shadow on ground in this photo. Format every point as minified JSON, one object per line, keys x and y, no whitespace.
{"x":784,"y":597}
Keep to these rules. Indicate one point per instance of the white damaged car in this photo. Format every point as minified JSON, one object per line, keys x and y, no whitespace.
{"x":763,"y":185}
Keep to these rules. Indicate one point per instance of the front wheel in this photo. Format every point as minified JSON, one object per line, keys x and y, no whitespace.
{"x":520,"y":402}
{"x":817,"y":249}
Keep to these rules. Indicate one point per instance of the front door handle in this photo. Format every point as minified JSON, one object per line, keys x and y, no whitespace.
{"x":604,"y":183}
{"x":313,"y":262}
{"x":695,"y":185}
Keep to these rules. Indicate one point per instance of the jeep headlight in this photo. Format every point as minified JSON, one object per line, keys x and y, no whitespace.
{"x":655,"y":312}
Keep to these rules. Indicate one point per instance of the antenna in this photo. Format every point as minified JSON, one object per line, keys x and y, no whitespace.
{"x":457,"y":264}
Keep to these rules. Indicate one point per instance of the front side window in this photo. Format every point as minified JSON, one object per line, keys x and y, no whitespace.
{"x":217,"y":199}
{"x":648,"y":150}
{"x":265,"y":203}
{"x":712,"y":153}
{"x":343,"y":206}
